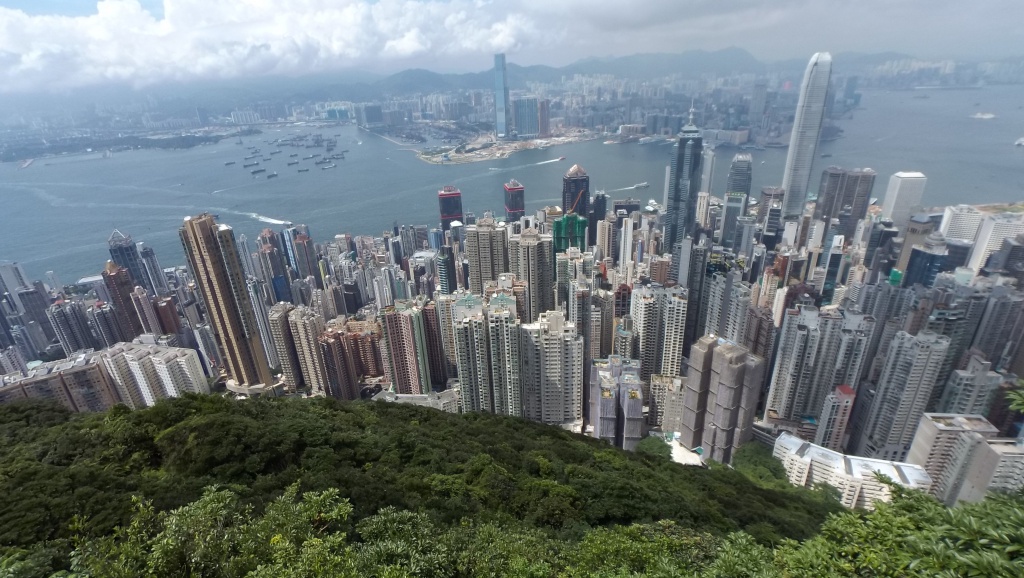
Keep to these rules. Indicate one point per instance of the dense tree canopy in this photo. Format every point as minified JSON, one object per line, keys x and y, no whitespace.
{"x":204,"y":486}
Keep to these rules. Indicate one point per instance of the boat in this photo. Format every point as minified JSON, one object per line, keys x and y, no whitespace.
{"x":1019,"y":143}
{"x":272,"y":175}
{"x":277,"y":152}
{"x":826,"y":155}
{"x":250,"y":157}
{"x":642,"y":185}
{"x":331,"y":166}
{"x":258,"y":171}
{"x":647,"y":140}
{"x":267,"y":158}
{"x":309,"y":157}
{"x":247,"y":165}
{"x":290,"y":163}
{"x":611,"y":142}
{"x":303,"y":170}
{"x":293,"y":155}
{"x":561,"y":158}
{"x":229,"y":163}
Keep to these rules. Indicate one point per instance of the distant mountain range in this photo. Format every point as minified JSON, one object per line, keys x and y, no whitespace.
{"x":359,"y":85}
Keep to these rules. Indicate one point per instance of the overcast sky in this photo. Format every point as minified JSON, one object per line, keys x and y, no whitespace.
{"x":61,"y":44}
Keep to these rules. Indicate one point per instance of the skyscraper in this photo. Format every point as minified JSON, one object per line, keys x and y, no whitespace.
{"x":526,"y":117}
{"x":576,"y":191}
{"x":531,"y":259}
{"x":994,"y":229}
{"x":552,"y":371}
{"x":741,"y":172}
{"x":405,"y":353}
{"x":515,"y":203}
{"x":449,"y":199}
{"x":487,"y":252}
{"x":306,"y":328}
{"x":153,"y":270}
{"x":903,"y":197}
{"x":733,"y":386}
{"x":616,"y":401}
{"x":119,"y":286}
{"x":502,"y":111}
{"x":847,"y":193}
{"x":684,"y":184}
{"x":125,"y":253}
{"x":213,"y":259}
{"x":803,"y":142}
{"x":911,"y":370}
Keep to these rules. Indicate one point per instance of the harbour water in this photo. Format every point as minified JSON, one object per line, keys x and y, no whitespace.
{"x":57,"y":213}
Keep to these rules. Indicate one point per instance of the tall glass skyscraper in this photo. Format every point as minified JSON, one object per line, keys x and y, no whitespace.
{"x":684,"y":184}
{"x":803,"y":142}
{"x":502,"y":111}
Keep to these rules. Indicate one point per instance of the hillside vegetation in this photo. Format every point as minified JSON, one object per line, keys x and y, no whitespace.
{"x":203,"y":486}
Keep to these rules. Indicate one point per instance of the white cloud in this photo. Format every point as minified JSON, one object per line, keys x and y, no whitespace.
{"x":198,"y":39}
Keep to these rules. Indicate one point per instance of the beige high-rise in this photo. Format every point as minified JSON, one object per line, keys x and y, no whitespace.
{"x":217,"y":269}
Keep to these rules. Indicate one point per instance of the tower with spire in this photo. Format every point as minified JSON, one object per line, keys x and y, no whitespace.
{"x":684,"y":183}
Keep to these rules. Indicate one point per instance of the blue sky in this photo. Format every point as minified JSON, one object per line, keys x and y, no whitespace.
{"x":71,"y":7}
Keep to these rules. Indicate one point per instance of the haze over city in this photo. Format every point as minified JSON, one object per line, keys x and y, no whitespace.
{"x":53,"y":45}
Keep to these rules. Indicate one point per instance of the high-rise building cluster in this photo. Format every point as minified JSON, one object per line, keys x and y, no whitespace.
{"x":858,"y":338}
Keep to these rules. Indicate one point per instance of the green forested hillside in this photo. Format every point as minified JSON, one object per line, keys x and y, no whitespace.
{"x":204,"y":486}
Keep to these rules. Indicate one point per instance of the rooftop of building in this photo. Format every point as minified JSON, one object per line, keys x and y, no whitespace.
{"x":905,"y":474}
{"x":959,"y":421}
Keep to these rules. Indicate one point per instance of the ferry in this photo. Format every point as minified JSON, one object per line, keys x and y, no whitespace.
{"x":642,"y":185}
{"x":258,"y":171}
{"x":293,"y":155}
{"x":267,"y":159}
{"x":247,"y":165}
{"x":561,"y":158}
{"x":272,"y":175}
{"x":303,"y":170}
{"x":250,"y":157}
{"x":331,"y":166}
{"x":826,"y":155}
{"x":309,"y":157}
{"x":290,"y":163}
{"x":229,"y":163}
{"x":277,"y":152}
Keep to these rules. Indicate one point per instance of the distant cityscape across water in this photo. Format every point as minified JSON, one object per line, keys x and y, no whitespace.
{"x":58,"y":212}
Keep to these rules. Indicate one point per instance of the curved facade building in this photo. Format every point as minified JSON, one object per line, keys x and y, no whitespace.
{"x":803,"y":142}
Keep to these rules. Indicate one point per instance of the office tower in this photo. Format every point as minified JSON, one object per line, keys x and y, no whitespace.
{"x":917,"y":230}
{"x":684,"y":184}
{"x":822,"y":349}
{"x":405,"y":351}
{"x":449,"y":199}
{"x":526,"y":117}
{"x":531,"y":259}
{"x":703,"y":216}
{"x":911,"y":369}
{"x":284,"y":345}
{"x":12,"y":278}
{"x":103,"y":322}
{"x":551,"y":371}
{"x":993,"y":231}
{"x":71,"y":326}
{"x":835,"y":415}
{"x":926,"y":261}
{"x":695,"y":392}
{"x":340,"y":366}
{"x":803,"y":141}
{"x":217,"y":270}
{"x":257,"y":296}
{"x":544,"y":117}
{"x":733,"y":386}
{"x":306,"y":327}
{"x":515,"y":201}
{"x":144,"y":311}
{"x":125,"y":253}
{"x":437,"y":365}
{"x":740,"y":175}
{"x":961,"y":222}
{"x":972,"y":389}
{"x":486,"y":251}
{"x":576,"y":191}
{"x":953,"y":448}
{"x":758,"y":103}
{"x":598,"y":211}
{"x":808,"y":465}
{"x":903,"y":197}
{"x":119,"y":286}
{"x":571,"y":265}
{"x":153,"y":270}
{"x":447,"y":276}
{"x":707,"y":176}
{"x":626,"y":243}
{"x":569,"y":230}
{"x":502,"y":110}
{"x":616,"y":402}
{"x":746,"y":237}
{"x":735,"y":207}
{"x":844,"y":193}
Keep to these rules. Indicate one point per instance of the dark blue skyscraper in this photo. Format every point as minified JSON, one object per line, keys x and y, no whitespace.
{"x":515,"y":203}
{"x":684,"y":184}
{"x":125,"y":253}
{"x":502,"y":112}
